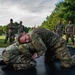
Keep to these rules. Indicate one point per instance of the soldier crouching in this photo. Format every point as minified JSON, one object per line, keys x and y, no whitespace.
{"x":18,"y":57}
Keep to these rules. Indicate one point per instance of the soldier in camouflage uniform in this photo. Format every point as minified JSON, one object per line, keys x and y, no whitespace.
{"x":60,"y":28}
{"x":20,"y":28}
{"x":45,"y":41}
{"x":69,"y":30}
{"x":10,"y":32}
{"x":18,"y":56}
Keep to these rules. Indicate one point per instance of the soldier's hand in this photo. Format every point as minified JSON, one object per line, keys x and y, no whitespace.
{"x":34,"y":56}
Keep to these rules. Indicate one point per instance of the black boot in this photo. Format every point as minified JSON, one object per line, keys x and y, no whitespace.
{"x":2,"y":62}
{"x":8,"y":68}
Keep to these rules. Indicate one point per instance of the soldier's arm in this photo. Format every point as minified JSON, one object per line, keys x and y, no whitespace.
{"x":65,"y":29}
{"x":23,"y":28}
{"x":38,"y":44}
{"x":73,"y":29}
{"x":27,"y":49}
{"x":56,"y":27}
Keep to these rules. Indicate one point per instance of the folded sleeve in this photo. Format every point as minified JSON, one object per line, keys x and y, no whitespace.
{"x":38,"y":44}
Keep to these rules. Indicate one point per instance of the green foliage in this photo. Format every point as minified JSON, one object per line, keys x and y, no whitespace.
{"x":2,"y":42}
{"x":63,"y":11}
{"x":1,"y":30}
{"x":27,"y":29}
{"x":4,"y":29}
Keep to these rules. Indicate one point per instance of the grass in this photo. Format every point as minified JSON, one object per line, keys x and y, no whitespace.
{"x":69,"y":42}
{"x":7,"y":44}
{"x":2,"y":42}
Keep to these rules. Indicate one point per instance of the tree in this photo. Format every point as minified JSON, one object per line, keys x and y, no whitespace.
{"x":64,"y":11}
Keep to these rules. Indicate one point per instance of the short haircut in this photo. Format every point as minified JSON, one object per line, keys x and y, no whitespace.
{"x":11,"y":19}
{"x":18,"y":39}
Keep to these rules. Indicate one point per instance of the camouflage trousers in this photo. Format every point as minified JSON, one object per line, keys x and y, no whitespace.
{"x":19,"y":62}
{"x":60,"y":33}
{"x":61,"y":52}
{"x":70,"y":35}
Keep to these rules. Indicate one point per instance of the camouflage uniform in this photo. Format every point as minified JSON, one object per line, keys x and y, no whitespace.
{"x":19,"y":56}
{"x":53,"y":45}
{"x":10,"y":33}
{"x":20,"y":29}
{"x":60,"y":29}
{"x":69,"y":32}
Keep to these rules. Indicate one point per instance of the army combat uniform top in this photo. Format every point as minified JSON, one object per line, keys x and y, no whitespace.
{"x":20,"y":29}
{"x":60,"y":29}
{"x":11,"y":29}
{"x":52,"y":45}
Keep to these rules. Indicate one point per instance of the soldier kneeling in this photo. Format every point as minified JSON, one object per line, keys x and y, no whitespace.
{"x":18,"y":57}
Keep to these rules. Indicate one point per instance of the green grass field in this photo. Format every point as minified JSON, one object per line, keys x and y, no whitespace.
{"x":2,"y":42}
{"x":7,"y":44}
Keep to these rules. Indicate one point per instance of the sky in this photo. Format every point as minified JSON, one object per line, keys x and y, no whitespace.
{"x":30,"y":12}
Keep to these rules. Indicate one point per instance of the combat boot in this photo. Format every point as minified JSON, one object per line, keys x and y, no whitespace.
{"x":2,"y":62}
{"x":8,"y":68}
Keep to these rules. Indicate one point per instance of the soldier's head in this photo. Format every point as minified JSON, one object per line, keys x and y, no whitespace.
{"x":70,"y":22}
{"x":11,"y":20}
{"x":24,"y":38}
{"x":20,"y":22}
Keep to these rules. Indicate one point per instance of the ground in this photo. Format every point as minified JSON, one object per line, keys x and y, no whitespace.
{"x":42,"y":68}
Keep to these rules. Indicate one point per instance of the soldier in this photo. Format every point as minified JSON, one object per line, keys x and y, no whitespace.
{"x":10,"y":32}
{"x":69,"y":30}
{"x":18,"y":57}
{"x":60,"y":28}
{"x":50,"y":43}
{"x":20,"y":28}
